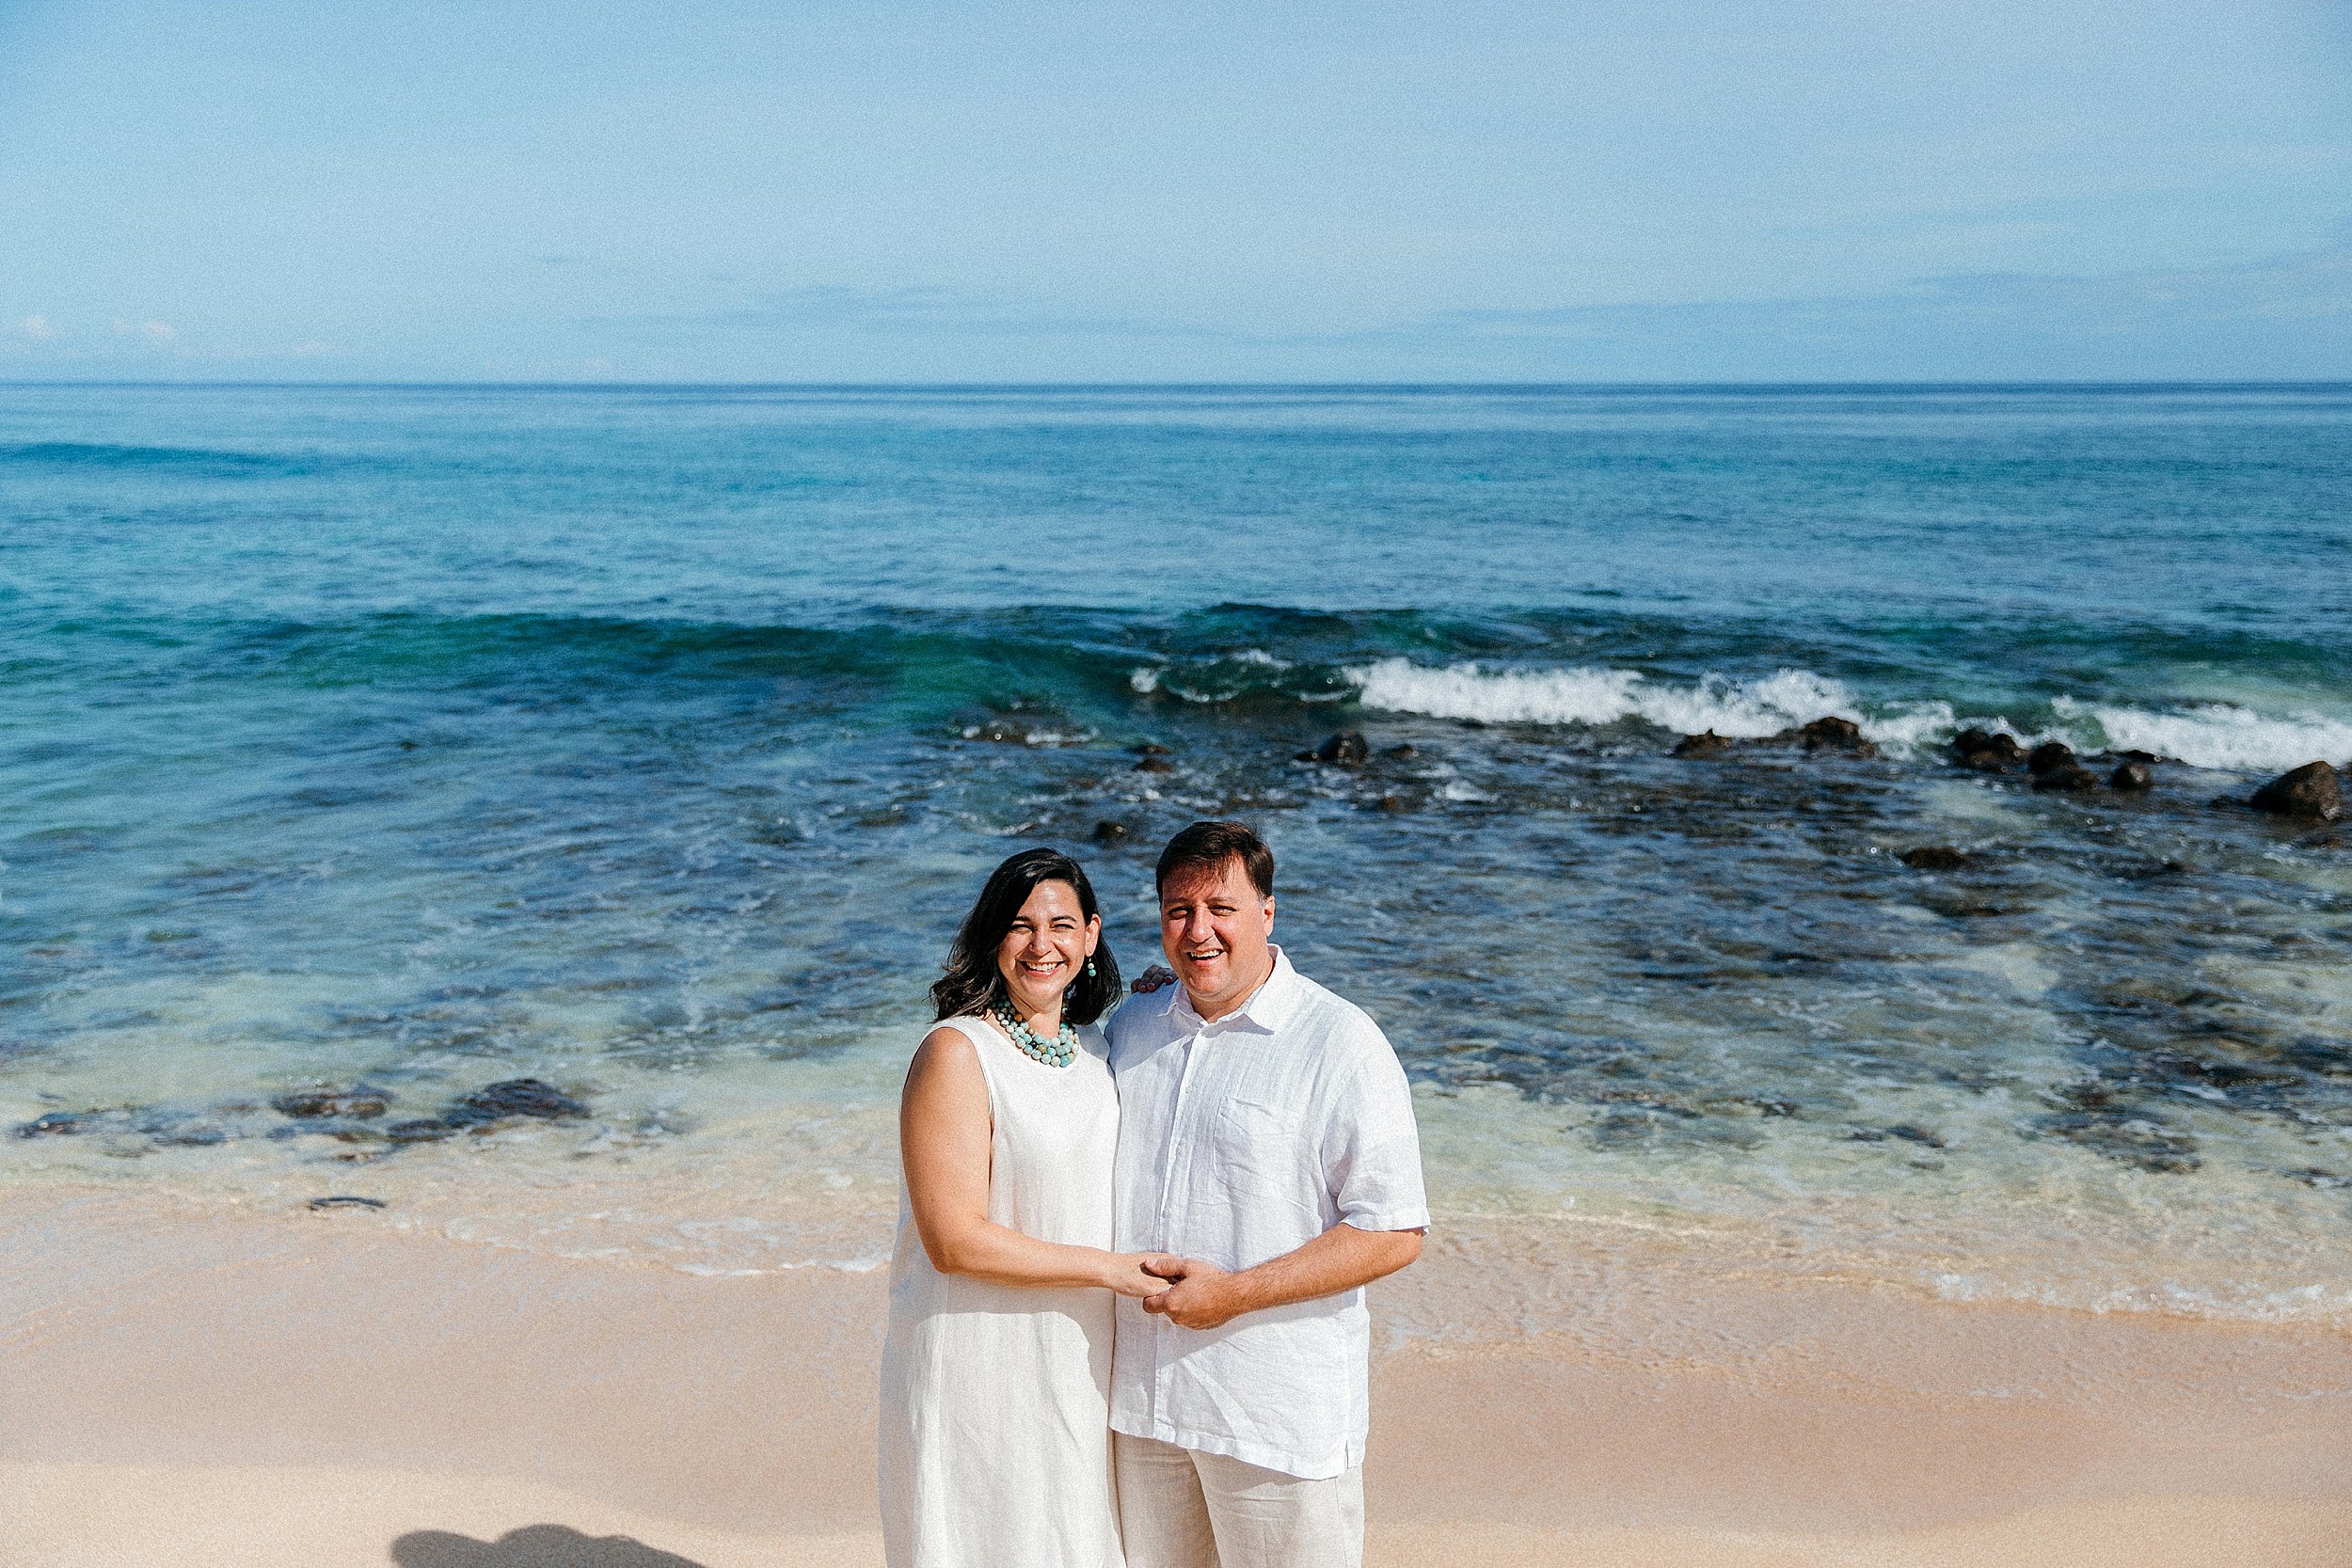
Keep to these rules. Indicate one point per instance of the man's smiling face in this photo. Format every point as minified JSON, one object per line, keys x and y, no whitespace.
{"x":1214,"y":926}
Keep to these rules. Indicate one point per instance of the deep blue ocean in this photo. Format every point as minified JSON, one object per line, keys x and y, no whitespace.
{"x":650,"y":742}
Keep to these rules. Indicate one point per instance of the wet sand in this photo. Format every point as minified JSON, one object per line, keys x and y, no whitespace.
{"x":205,"y":1387}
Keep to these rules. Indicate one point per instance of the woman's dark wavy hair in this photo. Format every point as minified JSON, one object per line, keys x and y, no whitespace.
{"x":973,"y":984}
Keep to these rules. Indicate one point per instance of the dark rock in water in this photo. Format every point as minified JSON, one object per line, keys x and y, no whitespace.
{"x":1915,"y":1134}
{"x":1832,"y":731}
{"x":1150,"y":749}
{"x":1347,"y":748}
{"x":2070,"y":776}
{"x":1987,"y":750}
{"x":344,"y":1201}
{"x":2129,"y":1137}
{"x":2132,"y":777}
{"x":54,"y":1124}
{"x":2093,"y":1114}
{"x":1393,"y":804}
{"x":1402,"y":749}
{"x":1934,"y":857}
{"x":2136,"y":754}
{"x":528,"y":1097}
{"x":1830,"y":735}
{"x":2309,"y":793}
{"x":1705,"y":744}
{"x":421,"y":1129}
{"x":2049,"y":757}
{"x":2330,"y":1057}
{"x":308,"y":1103}
{"x":516,"y":1097}
{"x":1154,"y":765}
{"x":1109,"y":833}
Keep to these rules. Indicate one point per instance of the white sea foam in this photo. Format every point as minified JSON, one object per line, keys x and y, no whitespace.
{"x":2216,"y":734}
{"x":1594,"y":696}
{"x":1212,"y":679}
{"x":2238,"y":1301}
{"x":2212,"y":734}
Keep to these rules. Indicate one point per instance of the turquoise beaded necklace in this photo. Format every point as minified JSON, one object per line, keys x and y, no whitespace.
{"x":1059,"y":1052}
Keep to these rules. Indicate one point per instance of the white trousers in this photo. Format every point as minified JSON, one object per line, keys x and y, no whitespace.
{"x":1179,"y":1507}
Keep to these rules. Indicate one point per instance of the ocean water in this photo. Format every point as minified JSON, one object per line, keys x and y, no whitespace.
{"x":650,"y":742}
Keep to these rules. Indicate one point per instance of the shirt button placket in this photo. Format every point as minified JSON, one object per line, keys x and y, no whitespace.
{"x":1171,"y":1175}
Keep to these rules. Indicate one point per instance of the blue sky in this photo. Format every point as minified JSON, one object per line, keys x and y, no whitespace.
{"x":875,"y":191}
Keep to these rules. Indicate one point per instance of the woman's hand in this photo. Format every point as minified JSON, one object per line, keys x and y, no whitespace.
{"x":1152,"y":979}
{"x":1130,"y":1274}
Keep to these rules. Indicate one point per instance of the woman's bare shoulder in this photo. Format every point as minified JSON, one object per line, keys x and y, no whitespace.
{"x":946,"y":1072}
{"x":946,"y":1045}
{"x":947,"y":1032}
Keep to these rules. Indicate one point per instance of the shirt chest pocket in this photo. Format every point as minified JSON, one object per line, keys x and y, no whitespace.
{"x":1267,"y":1140}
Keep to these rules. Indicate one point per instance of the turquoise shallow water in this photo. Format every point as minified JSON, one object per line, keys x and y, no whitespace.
{"x":648,"y":741}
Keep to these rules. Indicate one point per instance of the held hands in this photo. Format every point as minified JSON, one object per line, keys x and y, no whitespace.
{"x":1193,"y":1294}
{"x":1131,"y":1274}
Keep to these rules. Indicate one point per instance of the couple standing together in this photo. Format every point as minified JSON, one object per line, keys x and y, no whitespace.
{"x":1127,"y":1320}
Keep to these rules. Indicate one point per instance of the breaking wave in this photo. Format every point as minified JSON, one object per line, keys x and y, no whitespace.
{"x":1596,"y":697}
{"x":2216,"y":735}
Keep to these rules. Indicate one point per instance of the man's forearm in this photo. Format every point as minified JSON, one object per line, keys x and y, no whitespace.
{"x":1340,"y":1259}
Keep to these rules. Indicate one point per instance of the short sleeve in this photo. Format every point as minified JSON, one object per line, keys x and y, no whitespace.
{"x":1372,"y":1147}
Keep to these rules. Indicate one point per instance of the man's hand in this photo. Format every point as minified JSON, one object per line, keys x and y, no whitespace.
{"x":1200,"y":1296}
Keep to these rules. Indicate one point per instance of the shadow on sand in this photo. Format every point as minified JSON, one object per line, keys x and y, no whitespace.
{"x":533,"y":1547}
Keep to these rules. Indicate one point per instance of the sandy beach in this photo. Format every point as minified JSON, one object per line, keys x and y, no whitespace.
{"x":200,"y":1386}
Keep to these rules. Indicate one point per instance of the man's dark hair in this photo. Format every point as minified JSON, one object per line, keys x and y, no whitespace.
{"x":1210,"y":844}
{"x":974,"y":984}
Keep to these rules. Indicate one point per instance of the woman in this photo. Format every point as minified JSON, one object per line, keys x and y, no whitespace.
{"x":996,"y":1382}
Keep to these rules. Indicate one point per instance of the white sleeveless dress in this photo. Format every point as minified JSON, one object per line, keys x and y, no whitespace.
{"x":996,"y":1398}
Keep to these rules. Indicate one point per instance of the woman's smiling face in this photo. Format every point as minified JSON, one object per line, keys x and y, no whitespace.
{"x":1047,"y":947}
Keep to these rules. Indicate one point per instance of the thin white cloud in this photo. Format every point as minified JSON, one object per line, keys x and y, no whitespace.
{"x":2289,"y":317}
{"x":153,"y":333}
{"x":38,"y":327}
{"x":948,"y":312}
{"x":2285,"y":318}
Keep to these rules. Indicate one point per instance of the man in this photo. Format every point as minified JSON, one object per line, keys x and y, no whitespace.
{"x":1267,"y":1139}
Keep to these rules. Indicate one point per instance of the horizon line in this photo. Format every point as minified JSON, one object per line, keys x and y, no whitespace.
{"x":2005,"y":383}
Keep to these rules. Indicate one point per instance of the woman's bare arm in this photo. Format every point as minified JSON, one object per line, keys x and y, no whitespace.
{"x":944,"y":1139}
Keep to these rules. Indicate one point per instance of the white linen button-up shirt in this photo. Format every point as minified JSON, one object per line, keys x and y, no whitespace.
{"x":1239,"y":1141}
